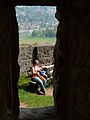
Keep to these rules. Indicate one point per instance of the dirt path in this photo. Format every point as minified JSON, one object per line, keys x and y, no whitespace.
{"x":23,"y":105}
{"x":49,"y":92}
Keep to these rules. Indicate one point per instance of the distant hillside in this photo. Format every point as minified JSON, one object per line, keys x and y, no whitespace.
{"x":35,"y":17}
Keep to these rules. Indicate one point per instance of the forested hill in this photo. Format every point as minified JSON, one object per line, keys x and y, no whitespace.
{"x":35,"y":17}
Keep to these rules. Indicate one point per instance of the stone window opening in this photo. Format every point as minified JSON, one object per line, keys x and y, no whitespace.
{"x":71,"y":65}
{"x":37,"y":113}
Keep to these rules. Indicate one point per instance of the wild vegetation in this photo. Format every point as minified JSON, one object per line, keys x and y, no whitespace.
{"x":44,"y":33}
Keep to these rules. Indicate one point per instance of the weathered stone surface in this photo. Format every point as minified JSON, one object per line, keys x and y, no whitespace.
{"x":45,"y":56}
{"x":45,"y":113}
{"x":5,"y":85}
{"x":72,"y":63}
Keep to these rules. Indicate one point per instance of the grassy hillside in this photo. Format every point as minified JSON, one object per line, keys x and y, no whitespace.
{"x":36,"y":41}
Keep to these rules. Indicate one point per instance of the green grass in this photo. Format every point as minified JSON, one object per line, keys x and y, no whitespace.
{"x":36,"y":40}
{"x":30,"y":97}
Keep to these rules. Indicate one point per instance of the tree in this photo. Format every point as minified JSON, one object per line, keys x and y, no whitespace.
{"x":34,"y":33}
{"x":50,"y":32}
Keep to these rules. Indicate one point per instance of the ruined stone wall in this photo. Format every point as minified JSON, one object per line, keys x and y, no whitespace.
{"x":45,"y":56}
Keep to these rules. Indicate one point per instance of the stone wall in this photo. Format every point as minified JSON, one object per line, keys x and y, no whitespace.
{"x":5,"y":93}
{"x":45,"y":56}
{"x":72,"y":61}
{"x":9,"y":70}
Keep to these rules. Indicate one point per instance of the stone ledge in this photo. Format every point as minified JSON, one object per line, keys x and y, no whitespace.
{"x":44,"y":113}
